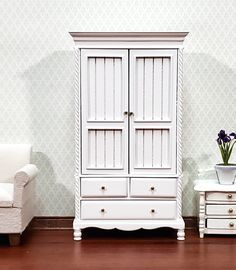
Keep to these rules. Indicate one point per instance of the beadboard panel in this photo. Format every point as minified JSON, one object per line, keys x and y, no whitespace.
{"x":152,"y":148}
{"x":152,"y":88}
{"x":105,"y":78}
{"x":37,"y":68}
{"x":99,"y":143}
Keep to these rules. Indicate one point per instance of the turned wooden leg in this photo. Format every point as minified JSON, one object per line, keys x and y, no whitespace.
{"x":201,"y":234}
{"x":202,"y":214}
{"x":77,"y":234}
{"x":180,"y":235}
{"x":14,"y":239}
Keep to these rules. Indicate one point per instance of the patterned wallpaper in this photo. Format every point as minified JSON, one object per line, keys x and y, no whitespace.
{"x":36,"y":80}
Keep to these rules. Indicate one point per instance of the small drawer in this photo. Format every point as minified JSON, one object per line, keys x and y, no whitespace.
{"x":228,"y":223}
{"x":221,"y":196}
{"x":223,"y":210}
{"x":128,"y":210}
{"x":153,"y":187}
{"x":103,"y":187}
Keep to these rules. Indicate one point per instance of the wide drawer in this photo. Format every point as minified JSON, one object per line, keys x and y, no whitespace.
{"x":153,"y":187}
{"x":221,"y":196}
{"x":128,"y":210}
{"x":103,"y":187}
{"x":224,"y":210}
{"x":221,"y":223}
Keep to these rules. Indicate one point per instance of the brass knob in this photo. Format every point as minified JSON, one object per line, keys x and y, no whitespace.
{"x":152,"y":188}
{"x":102,"y":210}
{"x":230,"y":196}
{"x":125,"y":113}
{"x":152,"y":210}
{"x":131,"y":113}
{"x":230,"y":210}
{"x":103,"y":187}
{"x":231,"y":224}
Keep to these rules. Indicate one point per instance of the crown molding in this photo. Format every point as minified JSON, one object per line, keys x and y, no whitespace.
{"x":128,"y":36}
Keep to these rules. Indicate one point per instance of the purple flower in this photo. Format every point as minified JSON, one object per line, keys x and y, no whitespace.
{"x":226,"y":139}
{"x":226,"y":143}
{"x":222,"y":134}
{"x":233,"y":134}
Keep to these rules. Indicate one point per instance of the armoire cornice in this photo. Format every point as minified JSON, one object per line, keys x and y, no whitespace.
{"x":128,"y":39}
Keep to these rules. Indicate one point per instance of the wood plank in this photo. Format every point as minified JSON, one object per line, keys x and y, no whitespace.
{"x":139,"y":96}
{"x":91,"y":149}
{"x":148,"y":88}
{"x":157,"y":89}
{"x":109,"y":148}
{"x":118,"y":95}
{"x":100,"y":100}
{"x":165,"y":148}
{"x":147,"y":148}
{"x":109,"y":90}
{"x":166,"y":88}
{"x":157,"y":148}
{"x":118,"y":150}
{"x":100,"y":146}
{"x":139,"y":157}
{"x":91,"y":90}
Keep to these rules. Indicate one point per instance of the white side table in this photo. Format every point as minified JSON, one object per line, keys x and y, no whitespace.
{"x":217,"y":207}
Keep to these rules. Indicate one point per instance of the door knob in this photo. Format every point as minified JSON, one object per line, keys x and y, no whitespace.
{"x":131,"y":114}
{"x":231,"y":224}
{"x":125,"y":113}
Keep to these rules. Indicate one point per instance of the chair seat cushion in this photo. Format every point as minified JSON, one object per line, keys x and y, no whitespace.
{"x":6,"y":194}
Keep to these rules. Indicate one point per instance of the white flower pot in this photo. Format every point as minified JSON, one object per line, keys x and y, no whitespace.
{"x":226,"y":174}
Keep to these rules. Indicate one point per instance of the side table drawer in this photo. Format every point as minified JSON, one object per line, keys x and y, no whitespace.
{"x":223,"y":209}
{"x":221,"y":196}
{"x":228,"y":223}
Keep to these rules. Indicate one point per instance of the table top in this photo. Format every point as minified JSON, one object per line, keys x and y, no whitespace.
{"x":212,"y":185}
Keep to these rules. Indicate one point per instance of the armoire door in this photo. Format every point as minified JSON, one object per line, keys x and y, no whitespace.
{"x":104,"y":97}
{"x":153,"y":82}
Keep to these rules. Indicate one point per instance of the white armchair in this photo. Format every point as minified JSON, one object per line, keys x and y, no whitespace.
{"x":16,"y":190}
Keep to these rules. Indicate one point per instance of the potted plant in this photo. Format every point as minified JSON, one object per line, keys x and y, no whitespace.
{"x":226,"y":171}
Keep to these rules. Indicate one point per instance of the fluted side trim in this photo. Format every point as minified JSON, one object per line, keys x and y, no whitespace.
{"x":77,"y":129}
{"x":179,"y":130}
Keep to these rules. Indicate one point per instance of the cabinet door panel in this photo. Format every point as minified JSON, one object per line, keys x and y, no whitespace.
{"x":104,"y":96}
{"x":153,"y":103}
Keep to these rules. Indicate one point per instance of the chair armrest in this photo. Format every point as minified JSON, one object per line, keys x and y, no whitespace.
{"x":22,"y":188}
{"x":25,"y":174}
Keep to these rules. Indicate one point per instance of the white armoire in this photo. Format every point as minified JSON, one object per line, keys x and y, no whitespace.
{"x":128,"y":114}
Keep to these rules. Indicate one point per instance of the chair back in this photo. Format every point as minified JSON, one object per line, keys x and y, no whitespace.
{"x":12,"y":158}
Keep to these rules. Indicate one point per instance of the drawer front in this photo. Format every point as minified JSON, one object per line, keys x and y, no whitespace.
{"x":153,"y":187}
{"x":128,"y":210}
{"x":224,"y":210}
{"x":103,"y":187}
{"x":221,"y":223}
{"x":221,"y":196}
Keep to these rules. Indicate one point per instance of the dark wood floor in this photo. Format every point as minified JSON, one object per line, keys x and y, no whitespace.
{"x":158,"y":249}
